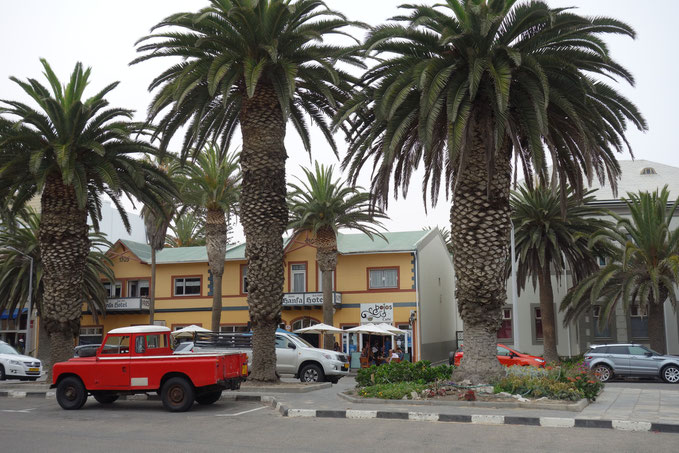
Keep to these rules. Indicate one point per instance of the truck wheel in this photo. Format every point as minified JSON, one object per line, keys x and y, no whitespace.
{"x":311,"y":373}
{"x":333,"y":379}
{"x":105,"y":398}
{"x":209,"y":397}
{"x":71,"y":393}
{"x":177,"y":394}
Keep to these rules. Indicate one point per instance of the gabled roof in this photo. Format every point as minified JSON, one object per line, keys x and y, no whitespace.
{"x":634,"y":179}
{"x":402,"y":241}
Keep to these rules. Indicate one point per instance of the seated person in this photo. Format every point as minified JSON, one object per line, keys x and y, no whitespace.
{"x":400,"y":353}
{"x":393,"y":355}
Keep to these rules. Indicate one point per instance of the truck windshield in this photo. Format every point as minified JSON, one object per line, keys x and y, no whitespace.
{"x":7,"y":349}
{"x":302,"y":341}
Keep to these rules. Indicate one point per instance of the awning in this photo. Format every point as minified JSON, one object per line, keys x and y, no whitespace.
{"x":15,"y":313}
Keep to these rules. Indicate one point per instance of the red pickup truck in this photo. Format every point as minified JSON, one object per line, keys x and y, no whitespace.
{"x":139,"y":359}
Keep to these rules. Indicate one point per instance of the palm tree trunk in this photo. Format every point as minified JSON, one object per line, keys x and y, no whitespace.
{"x":656,"y":327}
{"x":547,"y":313}
{"x":215,"y":235}
{"x":480,"y":226}
{"x":326,"y":255}
{"x":264,"y":215}
{"x":64,"y":246}
{"x":152,"y":288}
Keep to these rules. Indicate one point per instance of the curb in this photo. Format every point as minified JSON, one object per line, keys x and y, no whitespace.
{"x":550,"y":422}
{"x":570,"y":407}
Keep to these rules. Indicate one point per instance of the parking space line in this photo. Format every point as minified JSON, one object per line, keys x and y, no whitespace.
{"x":240,"y":413}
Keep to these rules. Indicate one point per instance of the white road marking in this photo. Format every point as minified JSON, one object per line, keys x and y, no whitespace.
{"x":23,"y":411}
{"x":240,"y":413}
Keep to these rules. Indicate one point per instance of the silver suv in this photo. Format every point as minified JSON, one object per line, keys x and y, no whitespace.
{"x":635,"y":360}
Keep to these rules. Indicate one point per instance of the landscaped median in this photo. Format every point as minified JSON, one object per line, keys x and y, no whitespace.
{"x":566,"y":387}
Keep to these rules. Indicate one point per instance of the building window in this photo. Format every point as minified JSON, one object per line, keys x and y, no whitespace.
{"x":602,"y":261}
{"x":233,"y":329}
{"x":113,"y":289}
{"x":638,"y":322}
{"x":648,"y":171}
{"x":383,"y":278}
{"x":298,"y":278}
{"x":138,"y":288}
{"x":537,"y":314}
{"x":244,"y":279}
{"x":505,"y":332}
{"x":90,"y":335}
{"x":320,"y":280}
{"x":600,"y":333}
{"x":186,"y":286}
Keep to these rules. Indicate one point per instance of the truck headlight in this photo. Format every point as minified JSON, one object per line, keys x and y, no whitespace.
{"x":15,"y":362}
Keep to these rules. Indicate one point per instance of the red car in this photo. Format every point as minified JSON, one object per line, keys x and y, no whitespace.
{"x":507,"y":357}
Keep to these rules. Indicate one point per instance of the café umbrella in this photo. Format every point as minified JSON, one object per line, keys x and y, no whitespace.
{"x":319,"y":328}
{"x":188,"y":331}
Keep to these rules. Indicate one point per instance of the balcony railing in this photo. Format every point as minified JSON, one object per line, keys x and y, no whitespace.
{"x":309,"y":299}
{"x":128,"y":304}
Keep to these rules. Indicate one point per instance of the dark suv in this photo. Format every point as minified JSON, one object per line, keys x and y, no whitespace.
{"x":631,"y":360}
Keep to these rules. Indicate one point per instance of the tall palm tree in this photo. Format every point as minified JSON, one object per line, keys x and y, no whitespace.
{"x":466,"y":85}
{"x":644,"y":271}
{"x":72,"y":150}
{"x":157,"y":218}
{"x":323,"y":205}
{"x":212,"y":184}
{"x":15,"y":274}
{"x":188,"y":230}
{"x":549,"y":240}
{"x":257,"y":65}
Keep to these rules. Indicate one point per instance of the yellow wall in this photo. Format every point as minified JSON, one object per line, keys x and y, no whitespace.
{"x":351,"y":280}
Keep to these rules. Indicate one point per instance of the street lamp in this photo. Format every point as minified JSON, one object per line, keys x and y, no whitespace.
{"x":29,"y":342}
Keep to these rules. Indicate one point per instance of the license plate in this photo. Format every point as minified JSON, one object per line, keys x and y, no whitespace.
{"x":34,"y":369}
{"x":345,"y":366}
{"x":245,"y":370}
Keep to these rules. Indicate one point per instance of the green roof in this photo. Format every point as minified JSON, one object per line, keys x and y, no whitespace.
{"x":403,"y":241}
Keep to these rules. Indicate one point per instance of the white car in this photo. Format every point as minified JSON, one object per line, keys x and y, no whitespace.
{"x":16,"y":366}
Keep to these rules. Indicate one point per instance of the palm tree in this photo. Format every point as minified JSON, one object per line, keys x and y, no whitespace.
{"x":212,"y":184}
{"x":15,"y":274}
{"x":323,"y":205}
{"x":466,"y":86}
{"x":157,"y":218}
{"x":72,"y":150}
{"x":548,"y":241}
{"x":644,"y":270}
{"x":257,"y":65}
{"x":188,"y":230}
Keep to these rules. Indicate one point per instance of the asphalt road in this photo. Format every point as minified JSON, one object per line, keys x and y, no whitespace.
{"x":30,"y":425}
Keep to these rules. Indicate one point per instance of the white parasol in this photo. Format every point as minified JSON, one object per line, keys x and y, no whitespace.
{"x":320,"y":328}
{"x":188,"y":331}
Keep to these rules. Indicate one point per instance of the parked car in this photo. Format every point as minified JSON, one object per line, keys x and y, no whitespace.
{"x":16,"y":366}
{"x":294,"y":355}
{"x":632,"y":360}
{"x":139,"y":360}
{"x":506,"y":355}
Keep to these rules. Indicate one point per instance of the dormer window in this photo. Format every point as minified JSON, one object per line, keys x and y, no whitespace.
{"x":648,"y":171}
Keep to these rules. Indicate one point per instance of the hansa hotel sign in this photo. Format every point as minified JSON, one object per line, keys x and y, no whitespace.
{"x":128,"y":304}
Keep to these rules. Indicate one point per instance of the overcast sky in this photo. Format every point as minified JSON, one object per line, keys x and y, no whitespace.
{"x":102,"y":34}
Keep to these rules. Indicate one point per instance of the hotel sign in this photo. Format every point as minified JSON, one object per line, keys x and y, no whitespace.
{"x":377,"y":313}
{"x":128,"y":304}
{"x":308,"y":299}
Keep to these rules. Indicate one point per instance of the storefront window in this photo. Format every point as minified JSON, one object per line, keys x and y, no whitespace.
{"x":90,"y":335}
{"x":233,"y":329}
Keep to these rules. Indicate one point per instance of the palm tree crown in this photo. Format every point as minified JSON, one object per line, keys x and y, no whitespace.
{"x":644,"y":269}
{"x":188,"y":230}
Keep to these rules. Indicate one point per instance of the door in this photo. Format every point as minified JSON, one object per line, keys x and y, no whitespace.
{"x":640,"y":364}
{"x":286,"y":357}
{"x":619,"y":355}
{"x":113,"y":363}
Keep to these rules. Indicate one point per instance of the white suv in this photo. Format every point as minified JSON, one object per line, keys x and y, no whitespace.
{"x":16,"y":366}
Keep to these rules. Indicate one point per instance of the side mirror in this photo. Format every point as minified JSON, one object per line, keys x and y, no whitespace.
{"x":292,"y":345}
{"x":512,"y":355}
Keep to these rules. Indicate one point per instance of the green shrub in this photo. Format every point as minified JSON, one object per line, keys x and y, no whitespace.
{"x":537,"y":387}
{"x":395,"y":391}
{"x":421,"y":372}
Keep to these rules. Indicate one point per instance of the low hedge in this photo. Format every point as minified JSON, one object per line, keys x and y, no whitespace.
{"x":394,"y":391}
{"x":421,"y":373}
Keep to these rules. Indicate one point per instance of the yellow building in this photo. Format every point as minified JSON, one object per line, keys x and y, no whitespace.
{"x":406,"y":281}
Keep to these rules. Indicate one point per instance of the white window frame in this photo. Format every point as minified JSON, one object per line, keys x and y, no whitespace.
{"x":244,"y":279}
{"x":112,"y":289}
{"x":139,"y":287}
{"x":91,"y":331}
{"x":294,"y":272}
{"x":184,"y":286}
{"x":233,"y":328}
{"x":373,"y":282}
